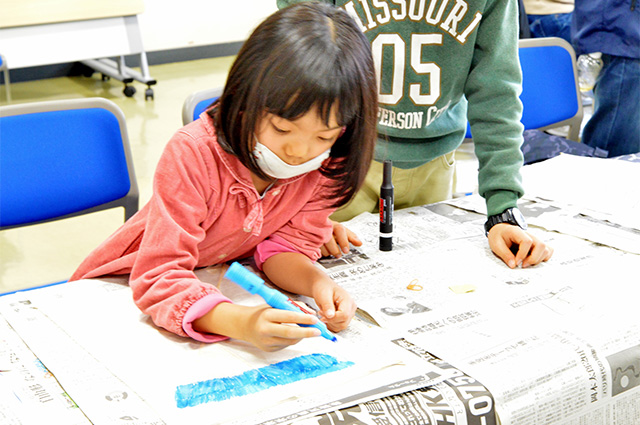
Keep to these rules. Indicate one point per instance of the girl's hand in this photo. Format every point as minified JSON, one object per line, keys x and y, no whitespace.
{"x":337,"y":308}
{"x":267,"y":328}
{"x":516,"y":247}
{"x":339,"y":242}
{"x":271,"y":329}
{"x":294,"y":272}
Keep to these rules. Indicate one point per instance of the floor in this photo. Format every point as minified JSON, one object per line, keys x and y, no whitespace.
{"x":46,"y":253}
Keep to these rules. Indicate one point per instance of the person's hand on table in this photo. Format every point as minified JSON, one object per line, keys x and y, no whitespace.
{"x":517,"y":247}
{"x":336,"y":306}
{"x":269,"y":329}
{"x":339,"y":242}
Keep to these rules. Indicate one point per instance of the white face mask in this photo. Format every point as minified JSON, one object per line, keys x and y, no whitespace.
{"x":273,"y":166}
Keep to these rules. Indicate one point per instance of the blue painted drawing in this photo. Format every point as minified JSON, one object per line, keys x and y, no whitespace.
{"x":252,"y":381}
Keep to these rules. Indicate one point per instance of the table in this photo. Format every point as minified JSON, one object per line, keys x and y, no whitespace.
{"x":42,"y":32}
{"x":463,"y":339}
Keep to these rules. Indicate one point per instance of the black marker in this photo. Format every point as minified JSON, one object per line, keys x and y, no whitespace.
{"x":386,"y":209}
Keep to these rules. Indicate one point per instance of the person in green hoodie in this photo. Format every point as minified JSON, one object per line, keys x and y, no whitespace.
{"x":441,"y":63}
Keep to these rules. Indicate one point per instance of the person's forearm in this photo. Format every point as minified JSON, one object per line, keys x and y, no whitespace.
{"x":293,"y":272}
{"x":224,"y":319}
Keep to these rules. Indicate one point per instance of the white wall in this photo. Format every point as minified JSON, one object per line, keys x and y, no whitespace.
{"x":170,"y":24}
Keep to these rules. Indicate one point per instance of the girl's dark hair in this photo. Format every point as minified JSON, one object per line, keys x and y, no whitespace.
{"x":308,"y":54}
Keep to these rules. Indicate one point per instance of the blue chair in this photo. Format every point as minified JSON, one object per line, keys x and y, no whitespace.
{"x":5,"y":70}
{"x":62,"y":159}
{"x":550,"y":93}
{"x":197,"y":102}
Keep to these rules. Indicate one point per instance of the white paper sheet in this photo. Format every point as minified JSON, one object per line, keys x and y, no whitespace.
{"x":599,"y":187}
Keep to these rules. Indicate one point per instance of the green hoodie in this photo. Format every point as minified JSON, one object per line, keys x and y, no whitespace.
{"x":444,"y":62}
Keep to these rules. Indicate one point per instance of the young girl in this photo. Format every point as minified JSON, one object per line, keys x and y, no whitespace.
{"x":259,"y":173}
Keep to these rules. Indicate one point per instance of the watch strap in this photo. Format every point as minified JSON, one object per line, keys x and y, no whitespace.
{"x":510,"y":215}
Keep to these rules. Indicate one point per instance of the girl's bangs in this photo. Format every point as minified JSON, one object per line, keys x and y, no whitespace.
{"x":293,"y":97}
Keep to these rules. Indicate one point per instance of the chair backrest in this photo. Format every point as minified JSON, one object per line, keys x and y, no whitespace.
{"x":61,"y":159}
{"x":550,"y":93}
{"x":197,"y":102}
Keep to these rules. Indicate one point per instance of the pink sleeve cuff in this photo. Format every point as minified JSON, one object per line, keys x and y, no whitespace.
{"x":199,"y":309}
{"x":270,"y":247}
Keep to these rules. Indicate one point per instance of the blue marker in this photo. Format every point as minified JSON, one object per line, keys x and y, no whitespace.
{"x":254,"y":285}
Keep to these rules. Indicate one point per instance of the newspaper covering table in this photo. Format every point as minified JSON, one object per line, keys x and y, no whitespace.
{"x":558,"y":343}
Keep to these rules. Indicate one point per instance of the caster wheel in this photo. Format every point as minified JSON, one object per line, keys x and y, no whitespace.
{"x":105,"y":77}
{"x":148,"y":94}
{"x":129,"y":91}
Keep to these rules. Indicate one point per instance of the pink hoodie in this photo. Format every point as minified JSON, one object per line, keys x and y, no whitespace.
{"x":204,"y":211}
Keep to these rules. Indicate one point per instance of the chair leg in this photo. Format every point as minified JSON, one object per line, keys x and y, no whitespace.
{"x":6,"y":84}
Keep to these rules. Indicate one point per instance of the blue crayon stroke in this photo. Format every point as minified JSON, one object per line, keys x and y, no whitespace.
{"x":252,"y":381}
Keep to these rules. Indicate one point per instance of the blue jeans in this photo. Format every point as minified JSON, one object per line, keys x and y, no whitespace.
{"x":615,"y":124}
{"x":556,"y":25}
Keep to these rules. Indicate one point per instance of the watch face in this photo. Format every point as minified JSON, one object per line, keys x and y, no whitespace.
{"x":511,"y":215}
{"x":519,"y":218}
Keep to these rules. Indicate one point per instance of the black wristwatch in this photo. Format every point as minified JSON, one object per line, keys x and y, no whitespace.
{"x":510,"y":215}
